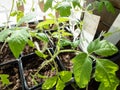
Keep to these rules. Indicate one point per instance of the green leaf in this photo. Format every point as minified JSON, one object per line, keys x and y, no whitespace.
{"x":64,"y":33}
{"x":76,"y":3}
{"x":17,"y":41}
{"x":48,"y":5}
{"x":103,"y":48}
{"x":41,"y":76}
{"x":109,"y":7}
{"x":100,"y":5}
{"x":42,"y":36}
{"x":82,"y":68}
{"x":107,"y":34}
{"x":26,"y":18}
{"x":60,"y":85}
{"x":75,"y":43}
{"x":65,"y":42}
{"x":30,"y":43}
{"x":40,"y":54}
{"x":105,"y":73}
{"x":64,"y":8}
{"x":20,"y":14}
{"x":65,"y":76}
{"x":24,"y":1}
{"x":4,"y":79}
{"x":46,"y":22}
{"x":112,"y":87}
{"x":13,"y":13}
{"x":49,"y":83}
{"x":63,"y":19}
{"x":4,"y":34}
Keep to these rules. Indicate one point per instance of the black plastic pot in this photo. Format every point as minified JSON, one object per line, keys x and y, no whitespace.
{"x":12,"y":69}
{"x":28,"y":64}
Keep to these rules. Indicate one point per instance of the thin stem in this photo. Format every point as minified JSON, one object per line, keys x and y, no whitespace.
{"x":32,"y":6}
{"x":87,"y":87}
{"x":69,"y":50}
{"x":74,"y":86}
{"x":55,"y":67}
{"x":8,"y":18}
{"x":93,"y":57}
{"x":3,"y":46}
{"x":46,"y":63}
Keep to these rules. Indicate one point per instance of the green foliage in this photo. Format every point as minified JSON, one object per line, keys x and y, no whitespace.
{"x":60,"y":85}
{"x":61,"y":33}
{"x":49,"y":83}
{"x":109,"y":7}
{"x":64,"y":9}
{"x":19,"y":14}
{"x":105,"y":73}
{"x":103,"y":48}
{"x":100,"y":6}
{"x":4,"y":79}
{"x":65,"y":76}
{"x":16,"y":38}
{"x":17,"y":41}
{"x":82,"y":68}
{"x":66,"y":42}
{"x":26,"y":18}
{"x":4,"y":34}
{"x":44,"y":23}
{"x":41,"y":54}
{"x":48,"y":5}
{"x":105,"y":3}
{"x":76,"y":3}
{"x":30,"y":43}
{"x":42,"y":36}
{"x":60,"y":80}
{"x":63,"y":19}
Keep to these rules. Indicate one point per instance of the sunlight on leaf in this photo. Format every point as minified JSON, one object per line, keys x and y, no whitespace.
{"x":63,"y":19}
{"x":65,"y":76}
{"x":103,"y":48}
{"x":48,"y":5}
{"x":49,"y":83}
{"x":60,"y":85}
{"x":4,"y":79}
{"x":64,"y":8}
{"x":17,"y":41}
{"x":42,"y":36}
{"x":4,"y":34}
{"x":40,"y":54}
{"x":105,"y":73}
{"x":82,"y":68}
{"x":44,"y":23}
{"x":26,"y":18}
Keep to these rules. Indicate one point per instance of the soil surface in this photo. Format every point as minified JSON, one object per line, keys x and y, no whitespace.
{"x":66,"y":60}
{"x":31,"y":65}
{"x":5,"y":55}
{"x":13,"y":72}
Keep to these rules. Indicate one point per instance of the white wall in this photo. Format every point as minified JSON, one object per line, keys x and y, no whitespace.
{"x":5,"y":6}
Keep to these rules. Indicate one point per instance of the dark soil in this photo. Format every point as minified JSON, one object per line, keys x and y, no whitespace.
{"x":66,"y":60}
{"x":6,"y":55}
{"x":31,"y":65}
{"x":27,"y":50}
{"x":13,"y":72}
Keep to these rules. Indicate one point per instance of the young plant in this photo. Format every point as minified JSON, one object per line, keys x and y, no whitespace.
{"x":105,"y":70}
{"x":17,"y":37}
{"x":4,"y":79}
{"x":97,"y":52}
{"x":100,"y":4}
